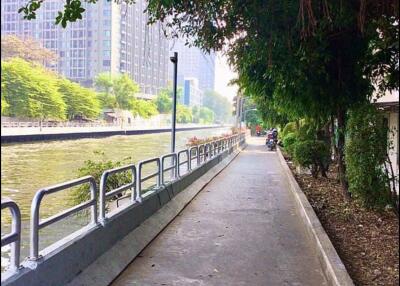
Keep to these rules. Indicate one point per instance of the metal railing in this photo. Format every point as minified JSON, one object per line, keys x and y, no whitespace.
{"x":201,"y":153}
{"x":185,"y":162}
{"x":103,"y":195}
{"x":196,"y":156}
{"x":173,"y":166}
{"x":14,"y":237}
{"x":140,"y":180}
{"x":36,"y":224}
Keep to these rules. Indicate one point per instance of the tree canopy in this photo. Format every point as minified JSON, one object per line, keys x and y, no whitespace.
{"x":219,"y":104}
{"x":116,"y":91}
{"x":28,"y":49}
{"x":80,"y":101}
{"x":31,"y":91}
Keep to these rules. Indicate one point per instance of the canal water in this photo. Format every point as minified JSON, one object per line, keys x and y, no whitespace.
{"x":27,"y":167}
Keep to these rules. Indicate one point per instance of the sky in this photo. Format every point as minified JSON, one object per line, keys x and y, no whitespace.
{"x":223,"y":74}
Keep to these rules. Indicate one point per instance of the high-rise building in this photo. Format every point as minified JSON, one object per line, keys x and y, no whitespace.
{"x":192,"y":95}
{"x":194,"y":63}
{"x":110,"y":38}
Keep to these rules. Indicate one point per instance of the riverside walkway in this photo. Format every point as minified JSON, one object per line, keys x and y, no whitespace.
{"x":243,"y":228}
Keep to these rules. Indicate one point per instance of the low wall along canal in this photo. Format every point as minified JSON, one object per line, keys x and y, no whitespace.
{"x":27,"y":167}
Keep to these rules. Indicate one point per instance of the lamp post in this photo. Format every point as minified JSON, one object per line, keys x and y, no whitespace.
{"x":174,"y":60}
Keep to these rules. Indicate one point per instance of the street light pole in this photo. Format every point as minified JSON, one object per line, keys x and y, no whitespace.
{"x":174,"y":59}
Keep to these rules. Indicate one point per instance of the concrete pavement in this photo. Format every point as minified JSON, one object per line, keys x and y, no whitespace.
{"x":242,"y":229}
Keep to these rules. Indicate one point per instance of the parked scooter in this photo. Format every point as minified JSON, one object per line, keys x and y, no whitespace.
{"x":271,"y":144}
{"x":272,"y":139}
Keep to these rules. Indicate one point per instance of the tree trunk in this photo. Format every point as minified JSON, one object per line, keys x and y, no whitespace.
{"x":341,"y":114}
{"x":332,"y":134}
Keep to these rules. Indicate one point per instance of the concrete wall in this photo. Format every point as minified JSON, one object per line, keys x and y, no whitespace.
{"x":90,"y":134}
{"x":97,"y":253}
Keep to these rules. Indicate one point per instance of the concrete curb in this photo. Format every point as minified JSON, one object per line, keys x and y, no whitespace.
{"x":109,"y":265}
{"x":334,"y":270}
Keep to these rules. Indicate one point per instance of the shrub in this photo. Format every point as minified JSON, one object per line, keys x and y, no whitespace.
{"x":312,"y":154}
{"x":288,"y":142}
{"x":144,"y":108}
{"x":96,"y":169}
{"x":289,"y":128}
{"x":365,"y":155}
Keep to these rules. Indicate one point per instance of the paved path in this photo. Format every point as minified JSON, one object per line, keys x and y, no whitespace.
{"x":242,"y":229}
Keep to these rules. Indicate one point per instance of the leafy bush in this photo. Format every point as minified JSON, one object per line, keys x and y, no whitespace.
{"x":289,"y":128}
{"x":314,"y":155}
{"x":96,"y":169}
{"x":202,"y":115}
{"x":365,"y":155}
{"x":288,"y":142}
{"x":144,"y":108}
{"x":183,"y":114}
{"x":80,"y":101}
{"x":31,"y":91}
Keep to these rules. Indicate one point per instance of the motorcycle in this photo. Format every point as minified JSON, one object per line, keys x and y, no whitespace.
{"x":258,"y":133}
{"x":271,"y":144}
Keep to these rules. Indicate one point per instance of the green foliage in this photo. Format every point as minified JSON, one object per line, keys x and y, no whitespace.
{"x":219,"y":104}
{"x":31,"y":91}
{"x":164,"y":102}
{"x":289,"y":142}
{"x":96,"y":168}
{"x":80,"y":101}
{"x":202,"y":115}
{"x":144,"y":108}
{"x":26,"y":48}
{"x":116,"y":91}
{"x":289,"y":128}
{"x":4,"y":104}
{"x":183,"y":114}
{"x":365,"y":154}
{"x":164,"y":99}
{"x":312,"y":154}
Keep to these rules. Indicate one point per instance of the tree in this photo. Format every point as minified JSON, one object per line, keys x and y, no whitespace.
{"x":164,"y":98}
{"x":219,"y":104}
{"x":366,"y":157}
{"x":80,"y":101}
{"x":163,"y":102}
{"x":31,"y":91}
{"x":4,"y":104}
{"x":307,"y":58}
{"x":183,"y":114}
{"x":202,"y":115}
{"x":116,"y":91}
{"x":28,"y":49}
{"x":144,"y":108}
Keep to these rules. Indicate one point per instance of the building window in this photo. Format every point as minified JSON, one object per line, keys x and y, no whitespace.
{"x":106,"y":63}
{"x":107,"y":54}
{"x":107,"y":44}
{"x":107,"y":12}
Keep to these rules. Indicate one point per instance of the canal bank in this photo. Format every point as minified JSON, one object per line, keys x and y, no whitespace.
{"x":49,"y":135}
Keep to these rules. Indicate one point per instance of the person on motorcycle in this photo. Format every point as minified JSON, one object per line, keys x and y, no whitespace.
{"x":275,"y":134}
